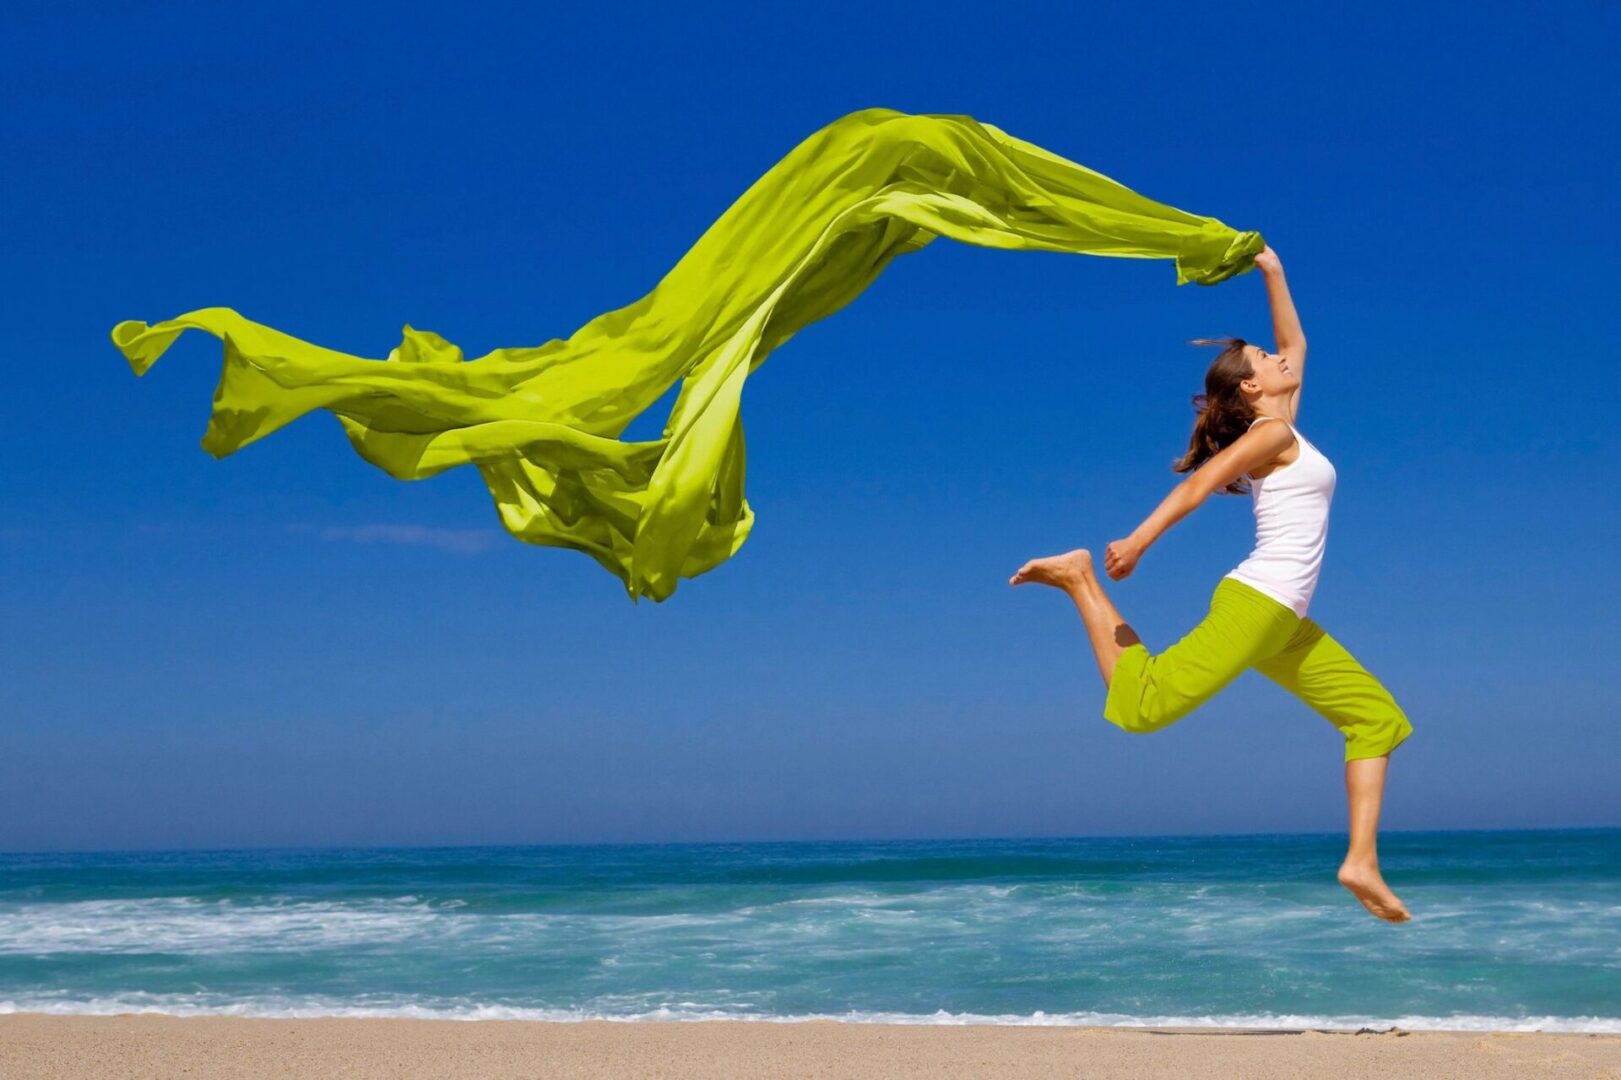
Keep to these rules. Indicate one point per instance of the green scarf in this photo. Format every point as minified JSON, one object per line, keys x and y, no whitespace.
{"x":542,"y":422}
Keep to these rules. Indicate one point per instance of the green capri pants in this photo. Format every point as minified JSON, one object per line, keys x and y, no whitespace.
{"x":1248,"y":629}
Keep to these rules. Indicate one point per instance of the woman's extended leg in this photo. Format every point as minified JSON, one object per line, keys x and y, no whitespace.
{"x":1318,"y":670}
{"x":1365,"y":789}
{"x":1072,"y":572}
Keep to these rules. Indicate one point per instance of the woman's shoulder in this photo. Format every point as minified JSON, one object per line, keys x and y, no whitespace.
{"x":1288,"y":452}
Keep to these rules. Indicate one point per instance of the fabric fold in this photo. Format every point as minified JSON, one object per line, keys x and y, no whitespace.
{"x":542,"y":423}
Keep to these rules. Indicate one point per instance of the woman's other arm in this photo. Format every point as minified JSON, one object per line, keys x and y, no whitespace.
{"x":1254,"y":448}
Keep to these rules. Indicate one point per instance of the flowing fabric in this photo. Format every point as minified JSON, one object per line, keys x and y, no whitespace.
{"x":541,"y":422}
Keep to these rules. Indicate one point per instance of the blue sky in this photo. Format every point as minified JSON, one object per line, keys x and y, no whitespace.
{"x":288,"y":647}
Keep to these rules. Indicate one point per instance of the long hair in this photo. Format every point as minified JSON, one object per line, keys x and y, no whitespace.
{"x":1223,"y":414}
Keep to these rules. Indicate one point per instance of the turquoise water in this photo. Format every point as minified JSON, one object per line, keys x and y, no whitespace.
{"x":1511,"y":931}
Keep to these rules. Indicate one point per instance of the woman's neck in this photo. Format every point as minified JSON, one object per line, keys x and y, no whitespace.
{"x":1266,"y":406}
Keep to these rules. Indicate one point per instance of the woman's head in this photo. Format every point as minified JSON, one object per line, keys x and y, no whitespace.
{"x":1241,"y":375}
{"x":1271,"y":374}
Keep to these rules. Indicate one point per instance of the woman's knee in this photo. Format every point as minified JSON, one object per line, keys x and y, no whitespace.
{"x":1142,"y":715}
{"x":1146,"y":721}
{"x":1139,"y":700}
{"x":1377,"y":736}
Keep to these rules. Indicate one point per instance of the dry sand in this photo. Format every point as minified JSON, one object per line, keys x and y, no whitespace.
{"x":33,"y":1045}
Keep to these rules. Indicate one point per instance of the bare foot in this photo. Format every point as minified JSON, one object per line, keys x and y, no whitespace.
{"x":1368,"y":886}
{"x":1067,"y":571}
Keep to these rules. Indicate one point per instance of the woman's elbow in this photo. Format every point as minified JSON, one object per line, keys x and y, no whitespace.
{"x":1194,"y":492}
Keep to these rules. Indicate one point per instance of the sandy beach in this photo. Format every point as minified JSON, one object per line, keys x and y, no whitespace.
{"x":145,"y":1045}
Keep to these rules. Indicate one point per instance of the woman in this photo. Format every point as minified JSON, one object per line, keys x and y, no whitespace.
{"x":1257,"y":619}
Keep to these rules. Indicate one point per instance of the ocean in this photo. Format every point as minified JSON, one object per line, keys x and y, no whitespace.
{"x":1511,"y":931}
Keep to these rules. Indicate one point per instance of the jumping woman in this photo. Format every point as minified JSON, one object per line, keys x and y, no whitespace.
{"x":1246,"y":429}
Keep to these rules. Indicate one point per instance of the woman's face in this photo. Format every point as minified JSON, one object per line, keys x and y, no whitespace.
{"x":1273,"y":372}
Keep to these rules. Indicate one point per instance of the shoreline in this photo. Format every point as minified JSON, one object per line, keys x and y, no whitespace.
{"x":36,"y":1044}
{"x":1283,"y":1024}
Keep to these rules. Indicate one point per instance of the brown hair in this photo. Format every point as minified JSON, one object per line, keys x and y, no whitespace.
{"x":1223,"y":414}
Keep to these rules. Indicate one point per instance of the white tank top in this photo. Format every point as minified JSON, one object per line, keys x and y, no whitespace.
{"x":1291,"y":526}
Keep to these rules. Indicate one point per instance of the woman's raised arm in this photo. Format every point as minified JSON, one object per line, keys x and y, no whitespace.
{"x":1286,"y":328}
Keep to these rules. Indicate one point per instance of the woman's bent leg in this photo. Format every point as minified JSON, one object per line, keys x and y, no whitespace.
{"x":1110,"y":634}
{"x":1148,"y":692}
{"x":1073,"y":573}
